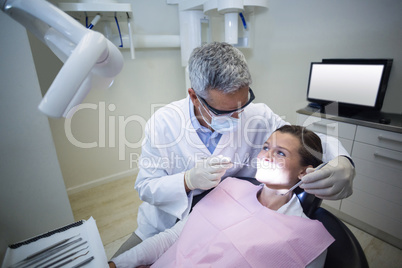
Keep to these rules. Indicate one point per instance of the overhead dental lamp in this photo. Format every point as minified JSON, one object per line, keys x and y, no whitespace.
{"x":90,"y":60}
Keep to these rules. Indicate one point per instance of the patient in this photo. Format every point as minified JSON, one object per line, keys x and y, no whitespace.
{"x":239,"y":224}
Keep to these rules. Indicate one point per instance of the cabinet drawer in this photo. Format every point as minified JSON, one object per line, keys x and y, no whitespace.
{"x":378,"y":220}
{"x":382,"y":138}
{"x":385,"y":157}
{"x":379,"y":189}
{"x":376,"y":204}
{"x":328,"y":127}
{"x":377,"y":171}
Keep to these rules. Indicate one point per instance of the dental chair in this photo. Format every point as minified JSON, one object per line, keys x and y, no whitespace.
{"x":345,"y":251}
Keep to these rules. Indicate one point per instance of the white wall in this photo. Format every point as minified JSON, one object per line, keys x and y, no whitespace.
{"x":288,"y":36}
{"x":155,"y":77}
{"x":33,"y":198}
{"x":292,"y":34}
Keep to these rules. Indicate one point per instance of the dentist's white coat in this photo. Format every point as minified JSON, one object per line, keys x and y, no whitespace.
{"x":171,"y":146}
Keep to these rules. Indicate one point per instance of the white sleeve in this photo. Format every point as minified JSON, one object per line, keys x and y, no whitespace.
{"x":148,"y":251}
{"x":332,"y":147}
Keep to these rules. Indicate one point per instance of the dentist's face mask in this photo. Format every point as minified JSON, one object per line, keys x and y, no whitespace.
{"x":222,"y":123}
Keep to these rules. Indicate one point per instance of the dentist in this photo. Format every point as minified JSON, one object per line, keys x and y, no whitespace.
{"x":192,"y":144}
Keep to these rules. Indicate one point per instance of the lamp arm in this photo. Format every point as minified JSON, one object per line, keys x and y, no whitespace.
{"x":87,"y":55}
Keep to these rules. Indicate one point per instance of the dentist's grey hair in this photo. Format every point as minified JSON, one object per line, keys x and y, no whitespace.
{"x":218,"y":66}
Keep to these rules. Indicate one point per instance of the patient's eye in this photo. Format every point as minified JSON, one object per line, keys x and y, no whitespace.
{"x":265,"y":148}
{"x":280,"y":153}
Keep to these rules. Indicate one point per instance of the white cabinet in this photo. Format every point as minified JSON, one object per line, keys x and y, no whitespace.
{"x":376,"y":202}
{"x":377,"y":196}
{"x":381,"y":138}
{"x":343,"y":131}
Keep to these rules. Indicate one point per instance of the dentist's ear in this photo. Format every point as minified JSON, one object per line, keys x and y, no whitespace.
{"x":304,"y":171}
{"x":193,"y":96}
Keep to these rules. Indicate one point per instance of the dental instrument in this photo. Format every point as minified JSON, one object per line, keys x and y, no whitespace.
{"x":300,"y":182}
{"x":235,"y":163}
{"x":84,"y":262}
{"x":61,"y":259}
{"x":61,"y":254}
{"x":94,"y":21}
{"x":69,"y":260}
{"x":42,"y":251}
{"x":45,"y":254}
{"x":242,"y":164}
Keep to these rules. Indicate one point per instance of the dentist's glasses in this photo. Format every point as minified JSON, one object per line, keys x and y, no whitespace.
{"x":212,"y":115}
{"x":230,"y":112}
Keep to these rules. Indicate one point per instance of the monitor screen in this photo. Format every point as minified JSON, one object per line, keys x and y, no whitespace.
{"x":356,"y":83}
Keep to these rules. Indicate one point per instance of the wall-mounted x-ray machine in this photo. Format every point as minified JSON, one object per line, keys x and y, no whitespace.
{"x":197,"y":25}
{"x":203,"y":21}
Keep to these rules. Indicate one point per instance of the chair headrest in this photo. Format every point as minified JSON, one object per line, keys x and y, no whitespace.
{"x":309,"y":202}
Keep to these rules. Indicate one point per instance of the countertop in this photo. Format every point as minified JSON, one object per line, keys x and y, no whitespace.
{"x":391,"y":122}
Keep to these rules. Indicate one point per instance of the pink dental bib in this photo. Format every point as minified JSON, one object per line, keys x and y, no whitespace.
{"x":230,"y":228}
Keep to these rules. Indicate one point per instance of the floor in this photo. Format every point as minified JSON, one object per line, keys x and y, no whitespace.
{"x":114,"y":206}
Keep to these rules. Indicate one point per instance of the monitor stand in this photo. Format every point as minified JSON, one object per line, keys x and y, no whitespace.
{"x":337,"y":109}
{"x":373,"y":116}
{"x":348,"y":112}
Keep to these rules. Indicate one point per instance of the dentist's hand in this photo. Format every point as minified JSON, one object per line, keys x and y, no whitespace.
{"x":207,"y":173}
{"x":332,"y":182}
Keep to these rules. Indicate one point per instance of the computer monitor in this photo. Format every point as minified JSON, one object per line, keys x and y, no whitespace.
{"x":355,"y":84}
